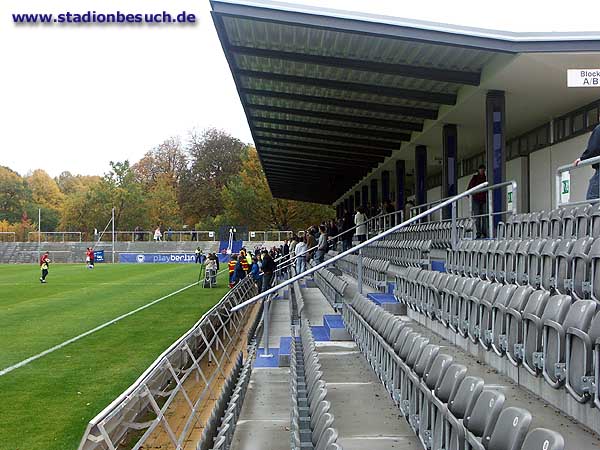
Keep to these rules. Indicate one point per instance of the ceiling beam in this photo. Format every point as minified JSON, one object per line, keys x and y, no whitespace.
{"x":376,"y":121}
{"x":309,"y":149}
{"x":326,"y":146}
{"x":421,"y":113}
{"x":338,"y":170}
{"x":403,"y":70}
{"x":342,"y":165}
{"x":320,"y":160}
{"x":329,"y":137}
{"x":382,"y":91}
{"x":307,"y":152}
{"x":380,"y":134}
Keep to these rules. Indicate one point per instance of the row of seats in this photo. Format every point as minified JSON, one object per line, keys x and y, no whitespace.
{"x":235,"y":393}
{"x":332,"y":286}
{"x":562,"y":222}
{"x":553,"y":336}
{"x":311,"y":422}
{"x":565,"y":266}
{"x":401,"y":253}
{"x":439,"y":233}
{"x":374,"y":271}
{"x":445,"y":406}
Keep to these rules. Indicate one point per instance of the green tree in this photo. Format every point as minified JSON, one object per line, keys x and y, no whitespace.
{"x":14,"y":195}
{"x":214,"y":157}
{"x":250,"y":187}
{"x":162,"y":205}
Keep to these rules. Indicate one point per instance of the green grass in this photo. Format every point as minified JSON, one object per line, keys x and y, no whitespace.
{"x":47,"y":404}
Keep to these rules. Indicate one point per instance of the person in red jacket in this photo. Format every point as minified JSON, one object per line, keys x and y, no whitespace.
{"x":44,"y":265}
{"x":478,"y":202}
{"x":89,"y":257}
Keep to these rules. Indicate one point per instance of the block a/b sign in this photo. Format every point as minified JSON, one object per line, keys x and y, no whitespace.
{"x":583,"y":78}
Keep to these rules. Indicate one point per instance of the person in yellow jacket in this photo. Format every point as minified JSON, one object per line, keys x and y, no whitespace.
{"x":231,"y":267}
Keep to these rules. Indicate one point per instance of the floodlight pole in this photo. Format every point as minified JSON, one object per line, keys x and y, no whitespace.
{"x":39,"y":233}
{"x":113,"y":235}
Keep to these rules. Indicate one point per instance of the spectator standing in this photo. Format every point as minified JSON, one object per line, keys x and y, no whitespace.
{"x":268,"y":268}
{"x":322,"y":244}
{"x":255,"y":272}
{"x":301,"y":255}
{"x":170,"y":234}
{"x":360,"y":220}
{"x":157,"y":234}
{"x":478,"y":202}
{"x":592,"y":150}
{"x":311,"y":242}
{"x":347,"y":236}
{"x":197,"y":254}
{"x":231,"y":268}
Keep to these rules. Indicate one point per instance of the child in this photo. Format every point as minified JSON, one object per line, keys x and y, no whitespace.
{"x":44,"y":264}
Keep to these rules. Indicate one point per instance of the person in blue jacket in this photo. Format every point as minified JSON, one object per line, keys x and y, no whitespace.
{"x":255,"y":271}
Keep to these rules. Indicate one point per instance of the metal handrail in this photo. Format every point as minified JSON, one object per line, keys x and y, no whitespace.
{"x":356,"y":248}
{"x":558,"y":181}
{"x":490,"y":214}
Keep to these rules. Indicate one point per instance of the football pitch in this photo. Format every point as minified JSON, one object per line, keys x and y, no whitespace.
{"x":47,"y":403}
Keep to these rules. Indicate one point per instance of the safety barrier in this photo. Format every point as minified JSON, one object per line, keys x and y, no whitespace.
{"x":374,"y":271}
{"x":182,"y":377}
{"x":54,"y":236}
{"x":8,"y":236}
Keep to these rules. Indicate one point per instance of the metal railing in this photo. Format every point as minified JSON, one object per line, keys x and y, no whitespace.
{"x":167,"y":236}
{"x":382,"y":222}
{"x":357,"y":248}
{"x":200,"y":354}
{"x":8,"y":236}
{"x":511,"y":207}
{"x":562,"y":183}
{"x":268,"y":236}
{"x":54,"y":236}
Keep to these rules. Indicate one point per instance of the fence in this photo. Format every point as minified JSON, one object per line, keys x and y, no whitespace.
{"x":54,"y":236}
{"x":269,"y":236}
{"x":185,"y":376}
{"x":8,"y":236}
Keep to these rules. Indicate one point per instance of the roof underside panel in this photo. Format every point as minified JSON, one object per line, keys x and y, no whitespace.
{"x":327,"y":105}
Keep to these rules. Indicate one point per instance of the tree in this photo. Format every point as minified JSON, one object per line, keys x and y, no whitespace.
{"x":250,"y":187}
{"x":163,"y":208}
{"x":168,"y":159}
{"x":14,"y":195}
{"x":215,"y":157}
{"x":70,"y":184}
{"x":44,"y":190}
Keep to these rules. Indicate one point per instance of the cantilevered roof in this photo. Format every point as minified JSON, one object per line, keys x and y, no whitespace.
{"x":330,"y":95}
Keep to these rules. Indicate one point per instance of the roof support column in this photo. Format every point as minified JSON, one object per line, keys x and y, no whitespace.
{"x":385,"y":186}
{"x":365,"y":197}
{"x":357,"y":199}
{"x":420,"y":174}
{"x":495,"y":148}
{"x":374,"y":197}
{"x":449,"y":165}
{"x":400,"y":184}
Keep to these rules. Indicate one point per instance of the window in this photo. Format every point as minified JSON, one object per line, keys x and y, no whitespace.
{"x":592,"y":117}
{"x":578,"y":123}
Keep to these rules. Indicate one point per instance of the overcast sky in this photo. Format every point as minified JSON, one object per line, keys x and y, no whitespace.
{"x":74,"y":98}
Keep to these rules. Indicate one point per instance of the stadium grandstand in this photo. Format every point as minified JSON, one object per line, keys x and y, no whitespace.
{"x":463,"y":313}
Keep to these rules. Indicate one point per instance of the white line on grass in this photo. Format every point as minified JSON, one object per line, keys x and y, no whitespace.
{"x":93,"y":330}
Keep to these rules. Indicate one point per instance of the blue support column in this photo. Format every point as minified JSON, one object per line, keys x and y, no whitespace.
{"x":400,"y":184}
{"x":449,"y":165}
{"x":420,"y":174}
{"x":365,"y":196}
{"x":495,"y":147}
{"x":385,"y":186}
{"x":374,"y":195}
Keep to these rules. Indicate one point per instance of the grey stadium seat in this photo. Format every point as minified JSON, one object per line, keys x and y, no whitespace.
{"x":514,"y":324}
{"x":533,"y":273}
{"x":459,"y":407}
{"x":548,"y":264}
{"x":580,"y":271}
{"x":516,"y":302}
{"x":582,"y":221}
{"x":553,"y":339}
{"x":486,"y":306}
{"x":481,"y":420}
{"x":510,"y":430}
{"x":543,"y":439}
{"x":579,"y":359}
{"x":556,"y":309}
{"x":562,"y":272}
